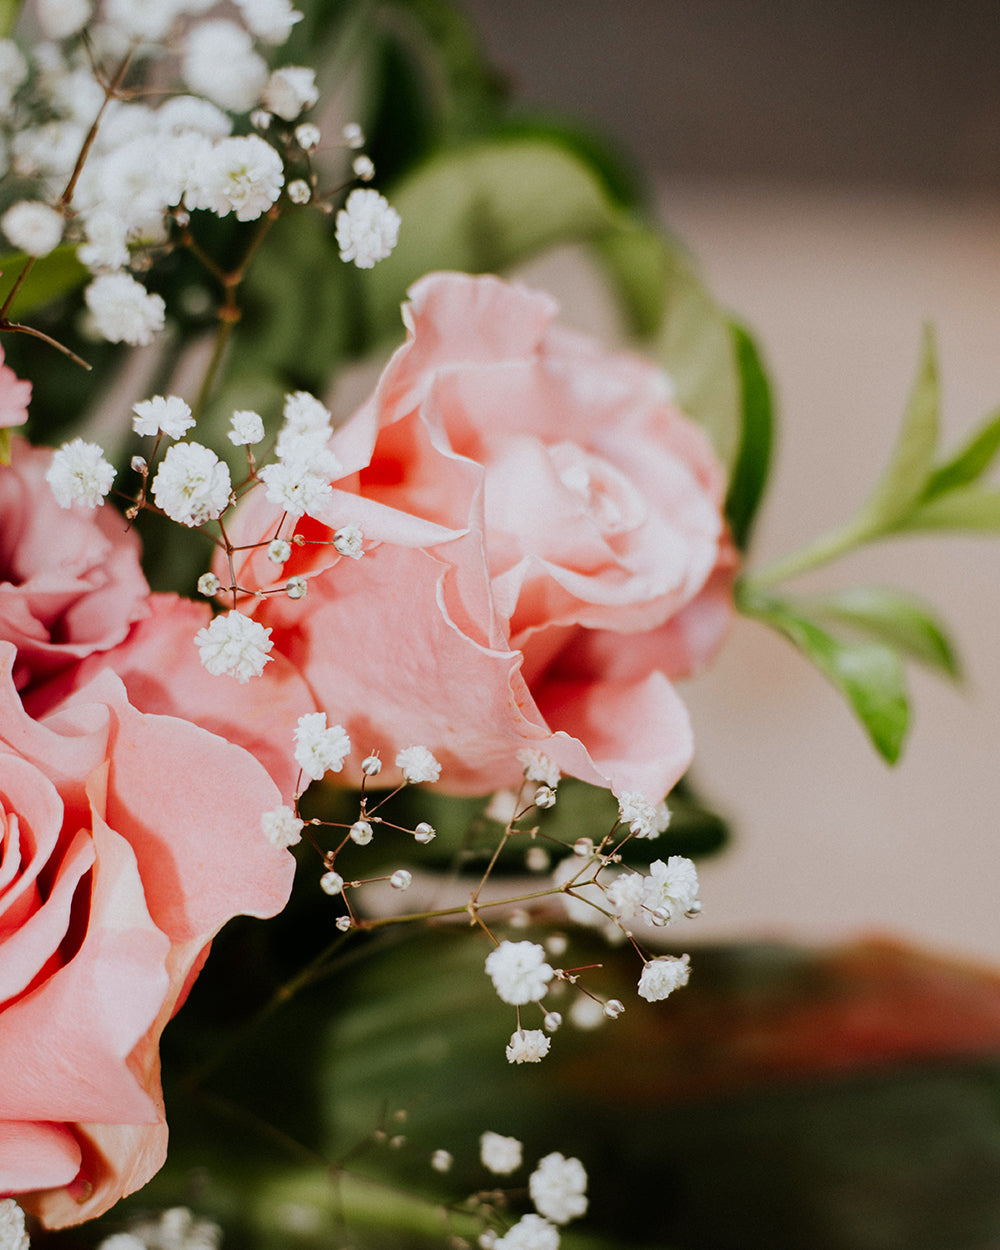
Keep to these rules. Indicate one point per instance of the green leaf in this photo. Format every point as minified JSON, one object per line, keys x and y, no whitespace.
{"x":484,"y":207}
{"x":753,"y":461}
{"x":967,"y":508}
{"x":635,"y":261}
{"x":909,"y":468}
{"x":969,"y":463}
{"x":5,"y":446}
{"x":9,"y":10}
{"x":889,"y":616}
{"x":695,"y":346}
{"x":51,"y":276}
{"x":869,"y":674}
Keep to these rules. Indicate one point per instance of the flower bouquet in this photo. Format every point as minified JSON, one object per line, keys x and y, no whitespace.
{"x":346,"y":588}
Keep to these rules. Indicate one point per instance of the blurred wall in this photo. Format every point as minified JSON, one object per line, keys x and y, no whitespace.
{"x":835,"y":168}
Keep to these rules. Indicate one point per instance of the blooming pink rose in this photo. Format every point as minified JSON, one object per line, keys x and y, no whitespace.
{"x":126,"y":841}
{"x":545,"y":552}
{"x":70,"y":579}
{"x":15,"y":395}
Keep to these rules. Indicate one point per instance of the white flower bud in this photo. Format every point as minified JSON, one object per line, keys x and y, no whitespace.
{"x":613,"y":1008}
{"x":583,"y":847}
{"x":208,"y":585}
{"x":401,"y":879}
{"x":299,"y":191}
{"x":545,"y":797}
{"x":279,"y":551}
{"x":296,"y":587}
{"x":361,"y":832}
{"x":344,"y":923}
{"x":424,"y":832}
{"x":552,"y":1021}
{"x":331,"y":883}
{"x":371,"y":766}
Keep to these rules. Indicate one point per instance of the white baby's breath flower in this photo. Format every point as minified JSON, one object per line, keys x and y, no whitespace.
{"x":418,"y":765}
{"x":500,"y":1154}
{"x":662,"y":976}
{"x":558,"y":1188}
{"x":527,"y":1046}
{"x":61,"y":18}
{"x":308,"y":136}
{"x":123,"y":310}
{"x":293,"y":486}
{"x":141,"y":19}
{"x":290,"y":91}
{"x":79,"y":473}
{"x":363,"y":168}
{"x":348,"y":541}
{"x":13,"y":72}
{"x":519,"y":972}
{"x":626,"y":895}
{"x":637,"y":813}
{"x":190,"y":114}
{"x":221,"y":64}
{"x":282,"y":827}
{"x":13,"y":1234}
{"x":246,"y":428}
{"x":192,"y":485}
{"x":105,"y":240}
{"x":353,"y":135}
{"x":441,"y":1160}
{"x":167,"y":413}
{"x":234,"y":645}
{"x":530,"y":1232}
{"x":538,"y":767}
{"x":367,"y":228}
{"x":242,"y":175}
{"x":33,"y":227}
{"x":299,"y":191}
{"x":319,"y":749}
{"x":303,"y":411}
{"x":671,"y":887}
{"x":270,"y":20}
{"x":279,"y":551}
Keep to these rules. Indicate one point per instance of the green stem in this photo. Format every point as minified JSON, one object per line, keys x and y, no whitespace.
{"x":823,"y":550}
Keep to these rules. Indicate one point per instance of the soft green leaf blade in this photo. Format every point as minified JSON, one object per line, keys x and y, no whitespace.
{"x":969,"y":463}
{"x":869,"y":674}
{"x":9,"y":10}
{"x":5,"y":439}
{"x":482,"y":208}
{"x":696,"y":348}
{"x":51,"y":276}
{"x":635,"y":261}
{"x":897,"y":619}
{"x":753,"y":461}
{"x":967,"y":508}
{"x":909,"y":468}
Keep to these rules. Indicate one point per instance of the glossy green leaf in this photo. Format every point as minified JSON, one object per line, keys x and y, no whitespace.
{"x":869,"y":674}
{"x":967,"y":508}
{"x":753,"y":461}
{"x":969,"y":463}
{"x":51,"y":276}
{"x":696,"y":348}
{"x":890,"y":616}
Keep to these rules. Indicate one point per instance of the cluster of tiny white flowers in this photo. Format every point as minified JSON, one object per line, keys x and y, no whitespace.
{"x":235,"y":645}
{"x":367,"y":228}
{"x":166,"y":414}
{"x":177,"y":1228}
{"x":300,"y":479}
{"x":643,"y":818}
{"x":192,"y":485}
{"x":13,"y":1234}
{"x":527,"y":1046}
{"x":519,"y":972}
{"x":499,"y":1154}
{"x":320,"y":749}
{"x":33,"y":227}
{"x":418,"y":765}
{"x":663,"y":975}
{"x":538,"y":767}
{"x":558,"y":1188}
{"x":282,"y":827}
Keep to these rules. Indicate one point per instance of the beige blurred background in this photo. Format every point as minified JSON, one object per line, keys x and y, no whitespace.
{"x":835,"y":167}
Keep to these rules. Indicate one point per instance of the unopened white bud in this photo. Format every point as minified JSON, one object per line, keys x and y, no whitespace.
{"x":343,"y":923}
{"x":583,"y":847}
{"x":296,"y":587}
{"x":537,"y":859}
{"x":307,"y":136}
{"x":260,"y":119}
{"x":208,"y":585}
{"x":659,"y":916}
{"x":401,"y":879}
{"x":424,"y":832}
{"x":331,"y":883}
{"x":363,"y":168}
{"x":371,"y":766}
{"x":441,"y":1160}
{"x":552,"y":1021}
{"x":299,"y":191}
{"x":279,"y":551}
{"x":362,"y":832}
{"x":556,"y":944}
{"x":545,"y":797}
{"x":139,"y":465}
{"x":353,"y":135}
{"x":613,"y":1008}
{"x":347,"y":542}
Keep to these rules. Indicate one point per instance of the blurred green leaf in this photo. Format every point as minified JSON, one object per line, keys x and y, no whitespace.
{"x":9,"y":10}
{"x":635,"y":261}
{"x":965,"y":508}
{"x":750,"y":471}
{"x":51,"y":276}
{"x":5,"y":435}
{"x":869,"y":674}
{"x":890,"y":616}
{"x":695,"y":346}
{"x":967,"y":464}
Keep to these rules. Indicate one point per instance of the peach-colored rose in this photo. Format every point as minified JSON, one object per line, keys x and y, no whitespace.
{"x":15,"y":395}
{"x":545,"y":552}
{"x":70,"y":579}
{"x":126,"y":841}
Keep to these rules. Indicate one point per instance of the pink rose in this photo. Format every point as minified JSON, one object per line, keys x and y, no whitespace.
{"x":545,"y":552}
{"x":70,"y":579}
{"x":15,"y":395}
{"x":126,"y":841}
